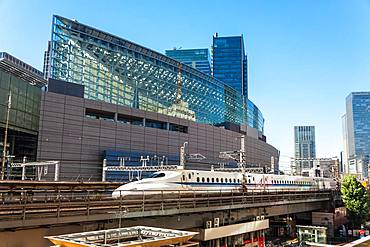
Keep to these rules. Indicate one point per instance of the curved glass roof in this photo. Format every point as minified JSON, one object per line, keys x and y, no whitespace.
{"x":118,"y":71}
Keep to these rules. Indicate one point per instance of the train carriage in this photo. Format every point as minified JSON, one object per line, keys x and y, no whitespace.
{"x":216,"y":181}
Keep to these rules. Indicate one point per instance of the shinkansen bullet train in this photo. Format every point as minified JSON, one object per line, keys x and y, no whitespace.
{"x":214,"y":181}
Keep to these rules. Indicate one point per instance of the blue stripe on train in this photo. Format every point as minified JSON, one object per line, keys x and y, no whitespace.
{"x":237,"y":184}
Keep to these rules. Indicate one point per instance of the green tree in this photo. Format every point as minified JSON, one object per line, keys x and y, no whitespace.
{"x":355,"y":199}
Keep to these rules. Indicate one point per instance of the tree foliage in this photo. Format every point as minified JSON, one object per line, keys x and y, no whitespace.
{"x":355,"y":199}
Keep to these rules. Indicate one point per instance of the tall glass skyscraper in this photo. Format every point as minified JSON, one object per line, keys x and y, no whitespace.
{"x":229,"y":62}
{"x":196,"y":58}
{"x":356,"y":128}
{"x":305,"y":148}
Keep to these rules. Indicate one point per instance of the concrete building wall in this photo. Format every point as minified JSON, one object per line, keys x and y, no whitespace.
{"x":79,"y":142}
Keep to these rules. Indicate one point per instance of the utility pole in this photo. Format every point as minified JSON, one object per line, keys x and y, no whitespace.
{"x":242,"y":160}
{"x":5,"y":143}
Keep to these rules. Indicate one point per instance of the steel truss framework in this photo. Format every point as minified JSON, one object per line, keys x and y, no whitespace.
{"x":131,"y":236}
{"x":121,"y":72}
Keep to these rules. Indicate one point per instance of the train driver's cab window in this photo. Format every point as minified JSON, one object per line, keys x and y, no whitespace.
{"x":158,"y":175}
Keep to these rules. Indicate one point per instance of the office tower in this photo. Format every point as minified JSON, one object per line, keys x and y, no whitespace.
{"x":229,"y":62}
{"x":356,"y":132}
{"x":305,"y":148}
{"x":196,"y":58}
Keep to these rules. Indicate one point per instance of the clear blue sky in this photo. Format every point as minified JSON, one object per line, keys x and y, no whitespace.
{"x":305,"y":56}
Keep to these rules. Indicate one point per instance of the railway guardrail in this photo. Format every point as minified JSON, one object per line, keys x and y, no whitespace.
{"x":42,"y":207}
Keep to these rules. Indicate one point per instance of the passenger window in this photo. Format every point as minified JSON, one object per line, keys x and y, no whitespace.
{"x":203,"y":180}
{"x":207,"y":180}
{"x":216,"y":180}
{"x":253,"y":178}
{"x":222,"y":180}
{"x":234,"y":180}
{"x":229,"y":180}
{"x":183,"y":177}
{"x":213,"y":180}
{"x":198,"y":179}
{"x":189,"y":176}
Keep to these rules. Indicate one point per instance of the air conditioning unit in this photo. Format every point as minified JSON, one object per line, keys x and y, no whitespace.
{"x":258,"y":217}
{"x":262,"y":217}
{"x":216,"y":222}
{"x":208,"y":224}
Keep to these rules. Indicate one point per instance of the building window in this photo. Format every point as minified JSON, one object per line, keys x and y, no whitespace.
{"x":178,"y":128}
{"x":155,"y":124}
{"x":98,"y":114}
{"x":130,"y":119}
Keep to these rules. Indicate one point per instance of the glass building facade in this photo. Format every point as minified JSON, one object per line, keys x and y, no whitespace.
{"x":25,"y":101}
{"x":229,"y":62}
{"x":196,"y":58}
{"x":121,"y":72}
{"x":24,"y":84}
{"x":255,"y":118}
{"x":305,"y":147}
{"x":356,"y":125}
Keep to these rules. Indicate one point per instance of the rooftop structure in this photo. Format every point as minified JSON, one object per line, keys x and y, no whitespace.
{"x":20,"y":69}
{"x":125,"y":237}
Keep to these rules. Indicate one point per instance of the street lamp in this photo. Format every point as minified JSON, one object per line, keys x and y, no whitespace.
{"x":5,"y":143}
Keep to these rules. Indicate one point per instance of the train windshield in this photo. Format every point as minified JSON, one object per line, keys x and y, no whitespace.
{"x":158,"y":175}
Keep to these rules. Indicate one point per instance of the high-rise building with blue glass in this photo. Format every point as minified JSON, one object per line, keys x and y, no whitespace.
{"x":356,"y":129}
{"x":196,"y":58}
{"x":229,"y":62}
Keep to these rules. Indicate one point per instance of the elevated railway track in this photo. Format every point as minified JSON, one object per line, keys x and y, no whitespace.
{"x":28,"y":206}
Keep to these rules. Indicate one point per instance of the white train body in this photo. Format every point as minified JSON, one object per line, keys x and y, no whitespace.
{"x":214,"y":181}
